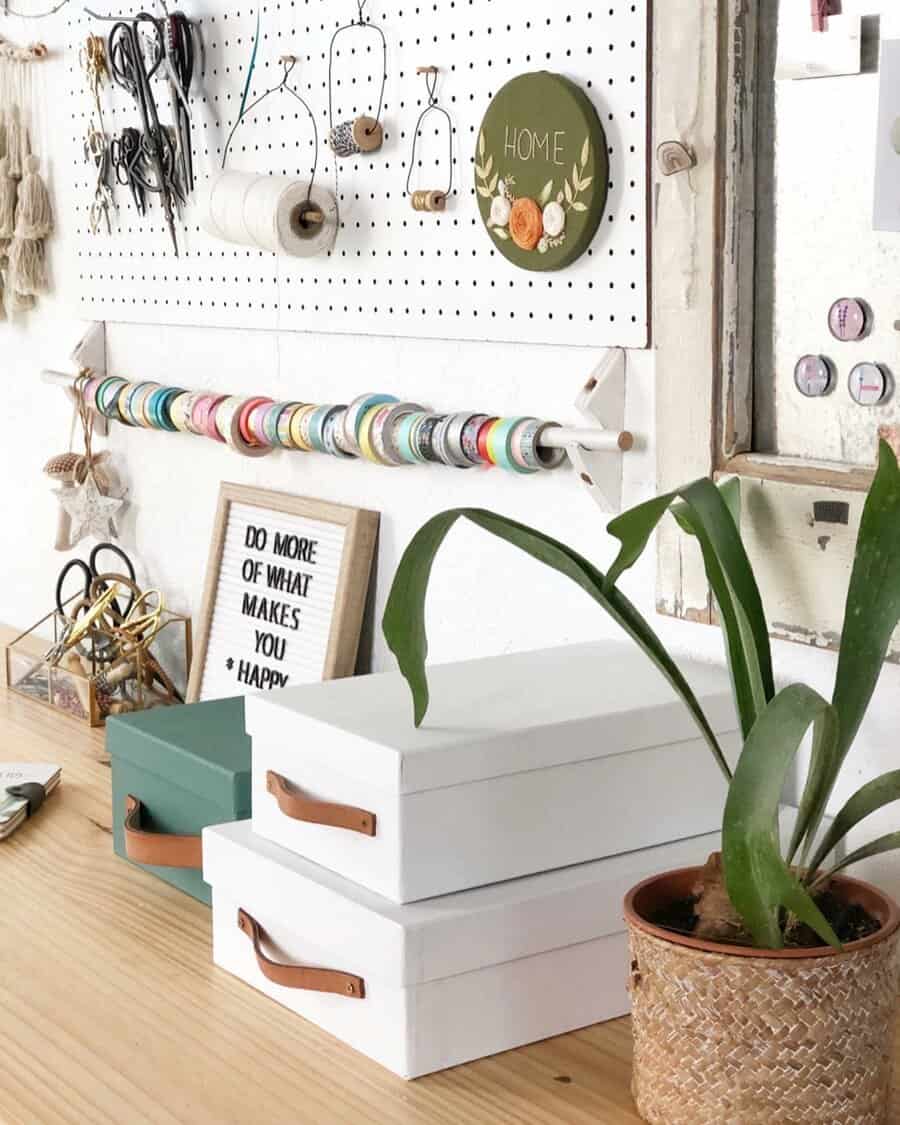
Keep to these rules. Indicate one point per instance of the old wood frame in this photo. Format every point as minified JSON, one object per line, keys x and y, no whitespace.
{"x":361,"y":532}
{"x":800,"y":518}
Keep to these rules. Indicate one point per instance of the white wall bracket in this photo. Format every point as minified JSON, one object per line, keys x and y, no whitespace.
{"x":602,"y":401}
{"x":90,"y":352}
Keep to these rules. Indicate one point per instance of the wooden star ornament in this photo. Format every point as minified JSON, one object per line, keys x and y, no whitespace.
{"x":90,"y":511}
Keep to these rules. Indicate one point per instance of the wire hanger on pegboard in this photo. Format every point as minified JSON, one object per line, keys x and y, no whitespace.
{"x":364,"y":134}
{"x":434,"y":199}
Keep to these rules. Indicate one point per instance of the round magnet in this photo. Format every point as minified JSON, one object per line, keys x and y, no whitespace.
{"x":813,"y":376}
{"x":869,"y":384}
{"x":848,"y":319}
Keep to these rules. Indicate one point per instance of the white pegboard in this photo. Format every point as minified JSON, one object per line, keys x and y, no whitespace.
{"x":393,"y":271}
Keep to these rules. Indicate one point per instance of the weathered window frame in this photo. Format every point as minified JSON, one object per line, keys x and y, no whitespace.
{"x":800,"y":517}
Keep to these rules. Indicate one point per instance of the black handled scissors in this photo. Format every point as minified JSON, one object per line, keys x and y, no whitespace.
{"x":91,"y":574}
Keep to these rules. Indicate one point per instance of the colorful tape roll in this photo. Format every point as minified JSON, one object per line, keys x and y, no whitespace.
{"x":376,"y":427}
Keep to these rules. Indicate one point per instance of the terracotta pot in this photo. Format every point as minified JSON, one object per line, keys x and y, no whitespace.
{"x":732,"y":1036}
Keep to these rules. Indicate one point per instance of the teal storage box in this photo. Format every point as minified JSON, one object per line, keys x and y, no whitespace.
{"x":176,"y":770}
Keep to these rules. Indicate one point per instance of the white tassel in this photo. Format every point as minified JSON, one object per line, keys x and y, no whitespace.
{"x":7,"y":200}
{"x":16,"y":142}
{"x":34,"y":216}
{"x":27,"y":267}
{"x":18,"y":302}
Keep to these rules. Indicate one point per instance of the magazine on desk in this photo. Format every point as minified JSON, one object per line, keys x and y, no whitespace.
{"x":14,"y":810}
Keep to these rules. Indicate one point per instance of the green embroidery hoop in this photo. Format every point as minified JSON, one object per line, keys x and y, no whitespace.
{"x":541,"y":160}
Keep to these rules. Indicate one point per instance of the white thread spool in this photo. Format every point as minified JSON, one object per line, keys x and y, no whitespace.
{"x":273,"y":213}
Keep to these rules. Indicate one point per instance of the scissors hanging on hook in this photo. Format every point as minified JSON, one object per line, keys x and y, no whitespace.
{"x":134,"y":59}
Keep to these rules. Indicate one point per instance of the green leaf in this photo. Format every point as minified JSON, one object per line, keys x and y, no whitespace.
{"x":586,"y":151}
{"x":404,"y":617}
{"x":546,"y":193}
{"x":871,"y":615}
{"x":882,"y":791}
{"x":712,"y":517}
{"x":889,"y":843}
{"x":568,"y":190}
{"x":578,"y":206}
{"x":759,"y":882}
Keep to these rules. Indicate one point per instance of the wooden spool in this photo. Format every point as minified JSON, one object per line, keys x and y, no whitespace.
{"x":368,"y":134}
{"x":429,"y":200}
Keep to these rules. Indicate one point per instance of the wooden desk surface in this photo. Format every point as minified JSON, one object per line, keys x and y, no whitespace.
{"x":111,"y":1010}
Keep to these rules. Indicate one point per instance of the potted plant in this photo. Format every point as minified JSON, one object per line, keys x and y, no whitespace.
{"x":765,"y":984}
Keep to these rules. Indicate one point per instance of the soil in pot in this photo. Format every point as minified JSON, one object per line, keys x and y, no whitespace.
{"x":850,"y":921}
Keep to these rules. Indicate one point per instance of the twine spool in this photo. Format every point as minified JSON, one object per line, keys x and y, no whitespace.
{"x":429,"y":201}
{"x":271,"y":213}
{"x":350,"y":138}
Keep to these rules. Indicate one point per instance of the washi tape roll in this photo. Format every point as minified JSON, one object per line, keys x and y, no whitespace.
{"x":121,"y":405}
{"x":300,"y":428}
{"x":384,"y":427}
{"x":107,"y":394}
{"x":342,"y":447}
{"x":425,"y":446}
{"x":500,"y":445}
{"x":248,"y":408}
{"x":332,"y":430}
{"x":228,"y":423}
{"x":404,"y":437}
{"x":354,"y":416}
{"x":364,"y":433}
{"x":528,"y":451}
{"x":452,"y":437}
{"x":469,"y":438}
{"x":284,"y":424}
{"x":316,"y":421}
{"x":484,"y":433}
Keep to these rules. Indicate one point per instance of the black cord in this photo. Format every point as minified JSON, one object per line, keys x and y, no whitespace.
{"x":365,"y":25}
{"x":431,"y":106}
{"x":288,"y":62}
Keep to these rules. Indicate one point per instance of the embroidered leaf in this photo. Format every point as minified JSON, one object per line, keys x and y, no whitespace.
{"x":546,"y":193}
{"x":578,"y":206}
{"x":501,"y":233}
{"x":480,"y":172}
{"x":484,"y":192}
{"x":481,"y":145}
{"x":489,"y":166}
{"x":586,"y":152}
{"x":493,"y":184}
{"x":585,"y":184}
{"x":569,"y":194}
{"x":575,"y":183}
{"x":560,"y":198}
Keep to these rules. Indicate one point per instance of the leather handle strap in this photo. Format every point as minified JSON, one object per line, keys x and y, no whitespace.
{"x":294,"y":803}
{"x":155,"y":849}
{"x":299,"y":976}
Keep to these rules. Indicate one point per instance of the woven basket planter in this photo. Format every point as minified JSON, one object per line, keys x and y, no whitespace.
{"x":728,"y":1036}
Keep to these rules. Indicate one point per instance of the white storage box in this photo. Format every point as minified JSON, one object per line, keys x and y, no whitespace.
{"x":427,"y":986}
{"x":524,"y":763}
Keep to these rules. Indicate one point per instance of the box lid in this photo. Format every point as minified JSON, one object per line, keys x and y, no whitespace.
{"x":491,"y":717}
{"x":360,"y":932}
{"x":202,"y":747}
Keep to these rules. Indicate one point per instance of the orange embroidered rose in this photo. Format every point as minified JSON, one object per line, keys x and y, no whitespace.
{"x":526,"y":224}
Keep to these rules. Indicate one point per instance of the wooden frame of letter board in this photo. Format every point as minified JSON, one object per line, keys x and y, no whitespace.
{"x":353,"y":582}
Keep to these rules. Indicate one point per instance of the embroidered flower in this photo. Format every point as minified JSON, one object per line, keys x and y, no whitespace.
{"x":543,"y":246}
{"x":554,"y":220}
{"x":526,"y":224}
{"x":500,"y":211}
